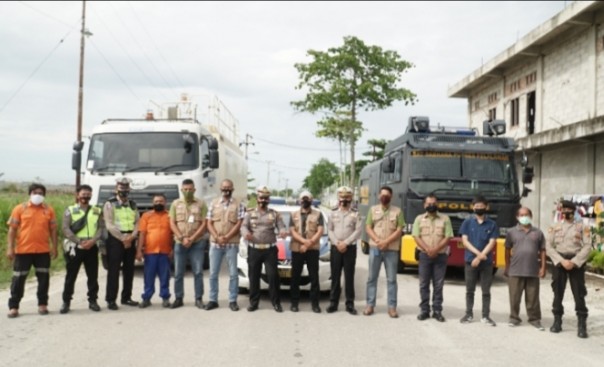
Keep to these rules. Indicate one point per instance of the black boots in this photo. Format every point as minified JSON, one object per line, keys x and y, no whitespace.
{"x":557,"y":326}
{"x":582,"y":327}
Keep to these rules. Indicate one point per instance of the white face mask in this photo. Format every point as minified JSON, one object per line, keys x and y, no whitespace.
{"x":36,"y":199}
{"x":524,"y":220}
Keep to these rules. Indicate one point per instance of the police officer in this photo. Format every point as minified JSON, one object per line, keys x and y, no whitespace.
{"x":82,"y":247}
{"x":568,"y":245}
{"x":344,"y":229}
{"x":121,"y":219}
{"x":306,"y":227}
{"x":258,"y":229}
{"x":432,"y":231}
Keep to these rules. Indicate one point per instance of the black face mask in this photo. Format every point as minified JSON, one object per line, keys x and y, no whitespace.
{"x":569,"y":215}
{"x":480,"y":212}
{"x":159,"y":207}
{"x":227,"y":193}
{"x":345,"y":203}
{"x":263,"y":203}
{"x":305,"y":204}
{"x":123,"y":193}
{"x":85,"y":199}
{"x":431,"y":208}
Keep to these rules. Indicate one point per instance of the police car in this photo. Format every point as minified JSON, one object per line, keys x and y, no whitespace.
{"x":286,"y":209}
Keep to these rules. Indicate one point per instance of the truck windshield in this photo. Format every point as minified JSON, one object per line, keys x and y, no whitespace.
{"x":143,"y":152}
{"x":462,"y":173}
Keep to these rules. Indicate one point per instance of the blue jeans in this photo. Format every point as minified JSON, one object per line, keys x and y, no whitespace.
{"x":431,"y":270}
{"x":216,"y":256}
{"x":157,"y":265}
{"x":195,"y":255}
{"x":390,"y":260}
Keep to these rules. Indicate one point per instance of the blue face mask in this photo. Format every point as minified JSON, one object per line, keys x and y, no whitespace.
{"x":524,"y":220}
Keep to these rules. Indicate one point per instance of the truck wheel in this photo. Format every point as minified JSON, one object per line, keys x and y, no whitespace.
{"x":365,"y":247}
{"x":401,"y":267}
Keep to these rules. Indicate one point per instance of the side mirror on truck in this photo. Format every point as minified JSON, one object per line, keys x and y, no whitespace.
{"x":76,"y":156}
{"x":387,"y":165}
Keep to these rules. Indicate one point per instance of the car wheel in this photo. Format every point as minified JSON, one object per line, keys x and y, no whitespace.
{"x":365,"y":247}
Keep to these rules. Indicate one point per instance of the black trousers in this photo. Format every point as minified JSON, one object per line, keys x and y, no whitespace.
{"x":311,"y":259}
{"x":255,"y":259}
{"x":21,"y":265}
{"x":90,"y":259}
{"x":339,"y":261}
{"x":118,"y":256}
{"x":576,"y":277}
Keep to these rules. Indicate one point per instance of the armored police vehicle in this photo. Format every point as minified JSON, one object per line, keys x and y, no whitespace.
{"x":453,"y":164}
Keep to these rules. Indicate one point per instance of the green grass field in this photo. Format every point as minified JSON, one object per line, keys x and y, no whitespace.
{"x":8,"y":200}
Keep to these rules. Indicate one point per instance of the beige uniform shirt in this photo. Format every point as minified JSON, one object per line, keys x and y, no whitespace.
{"x":568,"y":239}
{"x":344,"y":225}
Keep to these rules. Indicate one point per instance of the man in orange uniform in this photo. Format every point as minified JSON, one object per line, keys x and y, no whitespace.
{"x":31,"y":224}
{"x":156,"y":241}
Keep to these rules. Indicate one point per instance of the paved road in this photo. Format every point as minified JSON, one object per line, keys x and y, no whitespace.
{"x":191,"y":337}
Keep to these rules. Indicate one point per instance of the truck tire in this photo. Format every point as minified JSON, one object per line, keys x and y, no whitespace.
{"x":401,"y":267}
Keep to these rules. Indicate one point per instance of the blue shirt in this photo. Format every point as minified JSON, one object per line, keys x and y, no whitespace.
{"x":479,"y":235}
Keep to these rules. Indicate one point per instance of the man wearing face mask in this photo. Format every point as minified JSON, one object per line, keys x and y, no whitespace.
{"x":85,"y":250}
{"x":30,"y":226}
{"x":306,"y":227}
{"x":479,"y":236}
{"x":568,"y":246}
{"x":121,"y":219}
{"x":432,"y":232}
{"x":384,"y":227}
{"x":259,"y":227}
{"x":524,"y":265}
{"x":156,"y":242}
{"x":344,"y":231}
{"x":225,"y":216}
{"x":188,"y":223}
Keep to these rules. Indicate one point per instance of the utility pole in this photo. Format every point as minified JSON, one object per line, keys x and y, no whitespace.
{"x":246,"y":143}
{"x":268,"y":173}
{"x":83,"y":34}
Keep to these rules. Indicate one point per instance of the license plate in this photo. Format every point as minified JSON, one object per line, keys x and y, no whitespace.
{"x":285,"y":273}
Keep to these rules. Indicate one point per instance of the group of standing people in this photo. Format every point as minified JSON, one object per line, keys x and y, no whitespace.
{"x":180,"y":232}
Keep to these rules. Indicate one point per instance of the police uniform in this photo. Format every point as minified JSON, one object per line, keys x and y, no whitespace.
{"x":261,"y":223}
{"x":121,"y":219}
{"x":344,"y":225}
{"x":570,"y":241}
{"x":308,"y":224}
{"x":75,"y":256}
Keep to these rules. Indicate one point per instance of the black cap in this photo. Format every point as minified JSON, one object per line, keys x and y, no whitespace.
{"x":568,"y":204}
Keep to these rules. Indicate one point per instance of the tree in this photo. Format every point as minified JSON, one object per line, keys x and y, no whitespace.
{"x":322,"y":174}
{"x":378,"y":147}
{"x":351,"y":77}
{"x":340,"y":127}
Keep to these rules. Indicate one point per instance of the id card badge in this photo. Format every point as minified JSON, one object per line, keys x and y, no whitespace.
{"x":191,"y":219}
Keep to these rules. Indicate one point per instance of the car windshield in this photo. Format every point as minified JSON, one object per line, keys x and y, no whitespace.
{"x":460,"y":173}
{"x":145,"y":152}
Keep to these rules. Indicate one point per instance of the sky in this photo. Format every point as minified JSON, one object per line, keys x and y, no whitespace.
{"x":143,"y":53}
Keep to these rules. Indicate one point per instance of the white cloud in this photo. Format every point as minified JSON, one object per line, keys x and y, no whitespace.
{"x":243,"y":52}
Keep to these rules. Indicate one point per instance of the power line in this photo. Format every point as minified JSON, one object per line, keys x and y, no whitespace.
{"x":33,"y":72}
{"x":279,"y":165}
{"x":115,"y":71}
{"x":307,"y":148}
{"x":155,"y":45}
{"x":143,"y":52}
{"x":72,"y":27}
{"x":140,"y":69}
